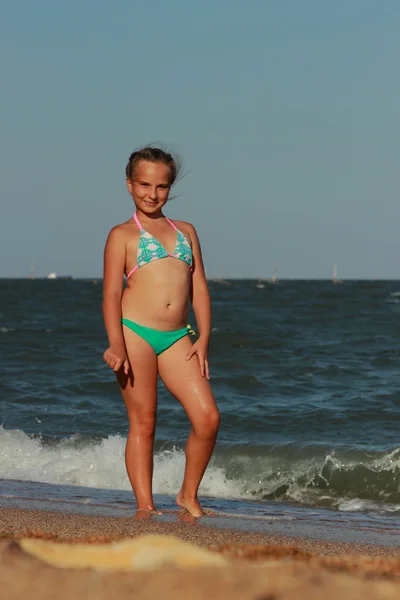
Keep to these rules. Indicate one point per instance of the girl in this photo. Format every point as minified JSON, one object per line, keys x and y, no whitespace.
{"x":146,"y":326}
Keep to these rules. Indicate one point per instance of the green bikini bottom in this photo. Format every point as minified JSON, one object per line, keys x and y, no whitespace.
{"x":158,"y":340}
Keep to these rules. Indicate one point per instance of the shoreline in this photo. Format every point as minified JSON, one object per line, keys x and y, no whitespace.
{"x":278,"y":522}
{"x":212,"y":531}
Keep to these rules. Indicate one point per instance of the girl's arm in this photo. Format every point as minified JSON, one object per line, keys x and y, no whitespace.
{"x":201,"y":303}
{"x":114,"y":265}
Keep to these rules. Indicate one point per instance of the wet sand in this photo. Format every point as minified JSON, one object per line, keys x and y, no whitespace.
{"x":262,"y":566}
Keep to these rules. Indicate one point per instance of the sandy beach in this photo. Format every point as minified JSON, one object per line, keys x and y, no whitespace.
{"x":259,"y":565}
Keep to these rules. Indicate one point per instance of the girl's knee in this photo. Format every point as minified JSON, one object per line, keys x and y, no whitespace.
{"x":207,"y":425}
{"x":142,"y":425}
{"x":214,"y":419}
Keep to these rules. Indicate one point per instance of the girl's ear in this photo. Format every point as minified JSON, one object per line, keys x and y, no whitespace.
{"x":129,"y":185}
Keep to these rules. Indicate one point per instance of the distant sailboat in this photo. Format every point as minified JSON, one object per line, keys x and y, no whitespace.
{"x":274,"y":279}
{"x":32,"y":272}
{"x":335,"y":280}
{"x":260,"y":285}
{"x":220,"y":279}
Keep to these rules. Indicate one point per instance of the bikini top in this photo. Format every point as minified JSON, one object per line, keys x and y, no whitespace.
{"x":149,"y":248}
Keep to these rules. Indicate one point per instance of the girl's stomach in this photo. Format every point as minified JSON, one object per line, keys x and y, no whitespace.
{"x":157,"y":295}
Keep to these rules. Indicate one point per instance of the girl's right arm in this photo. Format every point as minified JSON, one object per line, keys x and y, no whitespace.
{"x":114,"y":265}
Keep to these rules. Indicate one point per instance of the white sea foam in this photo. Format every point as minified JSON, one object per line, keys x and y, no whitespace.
{"x":359,"y":505}
{"x":312,"y":479}
{"x":99,"y":465}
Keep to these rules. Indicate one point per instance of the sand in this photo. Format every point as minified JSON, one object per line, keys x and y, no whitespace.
{"x":261,"y":566}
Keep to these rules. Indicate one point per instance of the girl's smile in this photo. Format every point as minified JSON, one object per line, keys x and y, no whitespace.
{"x":150,"y":185}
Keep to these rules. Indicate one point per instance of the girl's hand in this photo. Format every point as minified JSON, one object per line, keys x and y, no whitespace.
{"x":200,"y":347}
{"x":116,"y":357}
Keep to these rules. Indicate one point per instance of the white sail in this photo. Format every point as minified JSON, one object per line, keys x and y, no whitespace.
{"x":334,"y":277}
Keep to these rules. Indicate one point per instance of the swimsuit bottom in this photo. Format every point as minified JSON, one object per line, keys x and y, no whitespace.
{"x":158,"y":340}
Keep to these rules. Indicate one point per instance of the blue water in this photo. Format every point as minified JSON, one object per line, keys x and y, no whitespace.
{"x":306,"y":375}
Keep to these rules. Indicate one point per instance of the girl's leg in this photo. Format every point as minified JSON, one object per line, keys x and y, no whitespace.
{"x":139,"y":390}
{"x":183,"y":379}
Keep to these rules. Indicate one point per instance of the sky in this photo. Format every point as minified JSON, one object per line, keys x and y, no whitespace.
{"x":286,"y":115}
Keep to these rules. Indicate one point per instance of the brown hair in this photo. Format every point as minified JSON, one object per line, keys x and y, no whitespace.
{"x":152,"y":155}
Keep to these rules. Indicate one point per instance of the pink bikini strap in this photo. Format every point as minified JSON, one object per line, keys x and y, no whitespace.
{"x":131,"y":272}
{"x":137,"y":221}
{"x":171,"y":223}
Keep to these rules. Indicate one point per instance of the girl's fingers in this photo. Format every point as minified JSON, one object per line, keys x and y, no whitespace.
{"x":190,"y":353}
{"x":201,"y":361}
{"x":116,"y":363}
{"x":109,"y":360}
{"x":207,"y":369}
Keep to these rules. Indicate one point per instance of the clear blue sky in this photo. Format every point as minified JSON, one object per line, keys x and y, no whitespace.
{"x":287,"y":115}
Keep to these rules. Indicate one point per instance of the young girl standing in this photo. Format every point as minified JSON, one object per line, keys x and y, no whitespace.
{"x":146,"y":326}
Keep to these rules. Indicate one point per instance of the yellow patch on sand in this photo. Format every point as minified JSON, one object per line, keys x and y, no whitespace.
{"x":142,"y":553}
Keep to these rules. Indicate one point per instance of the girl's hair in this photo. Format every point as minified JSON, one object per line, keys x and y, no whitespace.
{"x":155,"y":155}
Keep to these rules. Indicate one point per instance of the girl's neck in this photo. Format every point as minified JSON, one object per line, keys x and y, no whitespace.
{"x":142,"y":216}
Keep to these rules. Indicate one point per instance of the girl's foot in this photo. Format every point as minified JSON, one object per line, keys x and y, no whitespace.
{"x":186,"y":518}
{"x":146,"y":513}
{"x":192,"y":505}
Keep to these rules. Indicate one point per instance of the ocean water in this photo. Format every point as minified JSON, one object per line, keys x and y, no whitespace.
{"x":306,"y":375}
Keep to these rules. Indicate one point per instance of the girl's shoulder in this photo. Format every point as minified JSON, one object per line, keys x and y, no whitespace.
{"x":185,"y":227}
{"x":122,"y":230}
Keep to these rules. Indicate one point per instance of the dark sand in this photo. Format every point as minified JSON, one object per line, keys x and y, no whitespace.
{"x":264,"y":566}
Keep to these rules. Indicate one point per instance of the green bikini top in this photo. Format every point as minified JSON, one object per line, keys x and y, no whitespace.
{"x":150,"y":249}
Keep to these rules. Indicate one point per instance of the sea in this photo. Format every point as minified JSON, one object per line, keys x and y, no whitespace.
{"x":306,"y":375}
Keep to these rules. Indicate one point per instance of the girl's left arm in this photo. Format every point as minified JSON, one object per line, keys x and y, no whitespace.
{"x":201,"y":303}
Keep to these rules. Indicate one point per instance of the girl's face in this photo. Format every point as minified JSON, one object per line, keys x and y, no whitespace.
{"x":149,"y":186}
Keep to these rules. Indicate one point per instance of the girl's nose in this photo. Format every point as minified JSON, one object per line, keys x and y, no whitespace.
{"x":153,"y":194}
